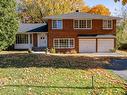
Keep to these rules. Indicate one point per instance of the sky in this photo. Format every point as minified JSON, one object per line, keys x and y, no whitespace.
{"x":108,"y":3}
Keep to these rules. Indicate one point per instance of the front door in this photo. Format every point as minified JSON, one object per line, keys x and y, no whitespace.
{"x":42,"y":40}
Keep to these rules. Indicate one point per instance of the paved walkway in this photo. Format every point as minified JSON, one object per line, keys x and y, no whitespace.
{"x":119,"y":67}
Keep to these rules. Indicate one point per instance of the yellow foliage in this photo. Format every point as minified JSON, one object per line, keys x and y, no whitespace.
{"x":85,"y":9}
{"x":100,"y":9}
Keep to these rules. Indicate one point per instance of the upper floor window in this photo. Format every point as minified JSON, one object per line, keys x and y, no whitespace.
{"x":57,"y":24}
{"x":107,"y":24}
{"x":83,"y":24}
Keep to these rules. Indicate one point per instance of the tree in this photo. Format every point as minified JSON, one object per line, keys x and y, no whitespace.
{"x":99,"y":9}
{"x":36,"y":9}
{"x":86,"y":9}
{"x":8,"y":23}
{"x":124,"y":2}
{"x":121,"y":33}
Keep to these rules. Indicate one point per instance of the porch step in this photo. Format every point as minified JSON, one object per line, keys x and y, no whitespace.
{"x":39,"y":49}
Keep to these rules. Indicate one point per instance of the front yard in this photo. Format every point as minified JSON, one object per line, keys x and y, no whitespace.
{"x":31,"y":74}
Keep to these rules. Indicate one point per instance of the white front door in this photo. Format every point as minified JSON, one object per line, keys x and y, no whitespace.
{"x":42,"y":40}
{"x":87,"y":45}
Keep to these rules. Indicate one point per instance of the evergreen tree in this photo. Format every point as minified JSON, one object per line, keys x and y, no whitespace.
{"x":8,"y":23}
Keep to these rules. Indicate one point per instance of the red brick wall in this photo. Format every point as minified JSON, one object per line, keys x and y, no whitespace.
{"x":69,"y":32}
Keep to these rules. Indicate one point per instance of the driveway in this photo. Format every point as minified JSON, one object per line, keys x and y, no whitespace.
{"x":119,"y":67}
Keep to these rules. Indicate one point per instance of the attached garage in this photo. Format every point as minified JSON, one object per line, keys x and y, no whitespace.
{"x":96,"y":43}
{"x":87,"y":45}
{"x":105,"y":45}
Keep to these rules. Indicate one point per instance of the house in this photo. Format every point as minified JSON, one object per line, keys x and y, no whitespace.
{"x":78,"y":31}
{"x":31,"y":35}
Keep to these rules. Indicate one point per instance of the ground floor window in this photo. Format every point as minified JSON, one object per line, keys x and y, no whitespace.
{"x":63,"y":43}
{"x":23,"y":38}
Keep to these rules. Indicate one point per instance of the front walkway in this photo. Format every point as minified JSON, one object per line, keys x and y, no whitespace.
{"x":93,"y":54}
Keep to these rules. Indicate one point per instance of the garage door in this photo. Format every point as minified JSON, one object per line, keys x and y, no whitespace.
{"x":105,"y":45}
{"x":87,"y":45}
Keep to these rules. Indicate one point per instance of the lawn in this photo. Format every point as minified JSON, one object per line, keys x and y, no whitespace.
{"x":31,"y":74}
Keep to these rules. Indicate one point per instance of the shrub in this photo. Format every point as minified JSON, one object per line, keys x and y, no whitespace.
{"x":73,"y":51}
{"x":29,"y":51}
{"x":123,"y":46}
{"x":47,"y":50}
{"x":113,"y":50}
{"x":67,"y":52}
{"x":52,"y":50}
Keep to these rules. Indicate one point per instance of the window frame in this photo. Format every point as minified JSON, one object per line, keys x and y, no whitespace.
{"x":86,"y":23}
{"x":69,"y":45}
{"x":107,"y":28}
{"x":56,"y":24}
{"x":27,"y":40}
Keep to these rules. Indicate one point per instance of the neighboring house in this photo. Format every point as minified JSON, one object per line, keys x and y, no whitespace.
{"x":78,"y":31}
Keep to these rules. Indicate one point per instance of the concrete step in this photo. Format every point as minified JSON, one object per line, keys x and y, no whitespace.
{"x":39,"y":49}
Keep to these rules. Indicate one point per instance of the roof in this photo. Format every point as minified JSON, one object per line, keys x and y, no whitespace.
{"x":96,"y":36}
{"x":81,"y":15}
{"x":40,"y":27}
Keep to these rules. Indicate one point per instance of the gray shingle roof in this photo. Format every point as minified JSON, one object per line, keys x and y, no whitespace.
{"x":38,"y":27}
{"x":81,"y":15}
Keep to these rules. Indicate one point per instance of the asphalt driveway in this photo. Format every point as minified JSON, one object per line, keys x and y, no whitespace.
{"x":119,"y":67}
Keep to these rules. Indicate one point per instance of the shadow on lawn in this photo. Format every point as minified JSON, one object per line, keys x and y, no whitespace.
{"x":71,"y":62}
{"x":62,"y":87}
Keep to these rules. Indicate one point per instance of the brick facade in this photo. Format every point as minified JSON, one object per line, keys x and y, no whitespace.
{"x":69,"y":32}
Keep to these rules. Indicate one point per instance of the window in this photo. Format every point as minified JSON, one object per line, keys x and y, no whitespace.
{"x":23,"y":39}
{"x":63,"y":43}
{"x":57,"y":24}
{"x":107,"y":24}
{"x":82,"y":24}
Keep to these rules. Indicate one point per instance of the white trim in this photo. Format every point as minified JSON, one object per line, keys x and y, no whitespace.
{"x":107,"y":25}
{"x":24,"y":45}
{"x":57,"y":20}
{"x":38,"y":38}
{"x":64,"y":47}
{"x":86,"y":23}
{"x":87,"y":45}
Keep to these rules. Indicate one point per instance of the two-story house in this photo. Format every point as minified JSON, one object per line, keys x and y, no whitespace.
{"x":78,"y":31}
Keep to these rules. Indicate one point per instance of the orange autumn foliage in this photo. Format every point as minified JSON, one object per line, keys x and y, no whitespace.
{"x":85,"y":9}
{"x":100,"y":9}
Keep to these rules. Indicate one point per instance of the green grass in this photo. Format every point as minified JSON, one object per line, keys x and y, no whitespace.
{"x":53,"y":75}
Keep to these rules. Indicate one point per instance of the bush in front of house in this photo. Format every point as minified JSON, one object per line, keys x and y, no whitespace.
{"x":73,"y":51}
{"x":123,"y":46}
{"x":52,"y":50}
{"x":113,"y":50}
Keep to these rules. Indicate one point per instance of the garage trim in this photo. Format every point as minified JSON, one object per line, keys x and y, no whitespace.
{"x":97,"y":42}
{"x":106,"y":38}
{"x":92,"y":41}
